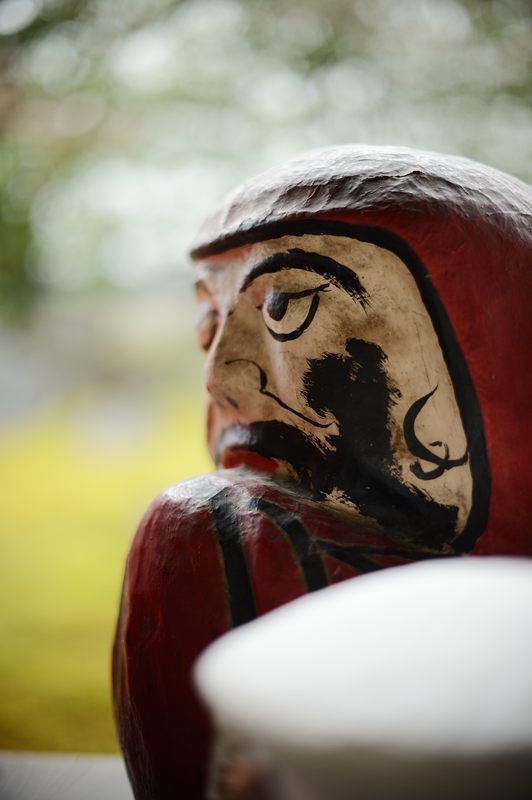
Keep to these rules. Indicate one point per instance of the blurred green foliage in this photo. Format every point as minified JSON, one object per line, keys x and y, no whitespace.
{"x":69,"y":508}
{"x":125,"y":121}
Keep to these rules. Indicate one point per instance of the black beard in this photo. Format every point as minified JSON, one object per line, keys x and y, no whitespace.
{"x":357,"y":390}
{"x":358,"y":462}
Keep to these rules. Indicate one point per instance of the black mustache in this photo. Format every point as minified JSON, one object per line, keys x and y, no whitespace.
{"x":277,"y":440}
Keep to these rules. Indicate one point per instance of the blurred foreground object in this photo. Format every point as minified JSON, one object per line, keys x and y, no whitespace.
{"x":410,"y":683}
{"x":366,"y":320}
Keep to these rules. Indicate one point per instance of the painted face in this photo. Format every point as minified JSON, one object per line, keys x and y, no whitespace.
{"x":323,"y":365}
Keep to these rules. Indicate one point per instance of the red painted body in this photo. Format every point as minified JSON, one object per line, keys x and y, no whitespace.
{"x":175,"y":602}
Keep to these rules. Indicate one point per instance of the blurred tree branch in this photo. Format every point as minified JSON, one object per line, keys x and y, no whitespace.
{"x":179,"y":100}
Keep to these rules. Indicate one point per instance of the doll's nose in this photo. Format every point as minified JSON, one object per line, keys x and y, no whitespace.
{"x":238,"y":368}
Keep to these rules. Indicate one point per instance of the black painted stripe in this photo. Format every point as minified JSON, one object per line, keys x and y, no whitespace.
{"x":305,"y":548}
{"x":353,"y":558}
{"x":360,"y":556}
{"x":239,"y":589}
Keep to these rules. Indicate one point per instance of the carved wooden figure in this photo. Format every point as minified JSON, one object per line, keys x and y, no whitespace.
{"x":365,"y":313}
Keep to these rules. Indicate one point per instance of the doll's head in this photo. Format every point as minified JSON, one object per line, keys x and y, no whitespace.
{"x":344,"y":302}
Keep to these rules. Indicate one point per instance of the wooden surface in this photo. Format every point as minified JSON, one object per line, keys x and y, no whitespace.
{"x":37,"y":776}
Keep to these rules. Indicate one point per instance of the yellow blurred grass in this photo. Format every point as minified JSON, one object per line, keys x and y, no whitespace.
{"x":69,"y":508}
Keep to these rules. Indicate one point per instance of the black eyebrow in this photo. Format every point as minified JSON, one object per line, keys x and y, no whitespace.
{"x":327,"y":267}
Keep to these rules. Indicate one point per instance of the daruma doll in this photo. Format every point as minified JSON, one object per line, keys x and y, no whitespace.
{"x":365,"y":314}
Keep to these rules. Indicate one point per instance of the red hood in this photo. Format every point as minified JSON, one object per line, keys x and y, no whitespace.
{"x":471,"y":227}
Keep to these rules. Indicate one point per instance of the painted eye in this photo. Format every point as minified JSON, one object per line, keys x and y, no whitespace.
{"x":206,"y":325}
{"x":288,"y":314}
